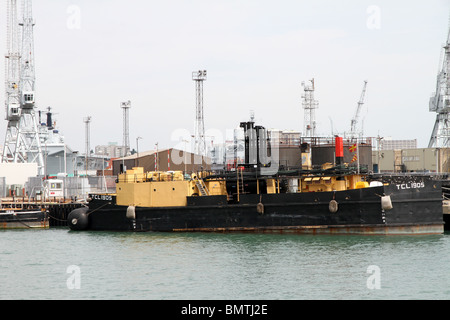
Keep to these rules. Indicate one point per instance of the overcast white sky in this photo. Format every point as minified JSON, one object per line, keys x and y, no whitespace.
{"x":92,"y":55}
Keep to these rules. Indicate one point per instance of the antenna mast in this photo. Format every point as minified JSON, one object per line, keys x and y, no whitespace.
{"x":87,"y":122}
{"x":126,"y":132}
{"x":310,"y":105}
{"x":200,"y":144}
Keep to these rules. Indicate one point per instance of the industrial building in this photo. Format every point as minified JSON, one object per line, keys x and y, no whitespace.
{"x":287,"y":143}
{"x":162,"y":160}
{"x":322,"y":151}
{"x":412,"y":160}
{"x":393,"y":144}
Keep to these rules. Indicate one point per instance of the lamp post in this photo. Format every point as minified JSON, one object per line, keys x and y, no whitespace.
{"x":185,"y":148}
{"x":156,"y":157}
{"x":379,"y":150}
{"x":65,"y":172}
{"x":137,"y":151}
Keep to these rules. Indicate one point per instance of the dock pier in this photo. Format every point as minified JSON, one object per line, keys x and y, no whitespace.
{"x":58,"y":213}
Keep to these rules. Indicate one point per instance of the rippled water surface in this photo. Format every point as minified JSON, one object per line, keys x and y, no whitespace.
{"x":40,"y":264}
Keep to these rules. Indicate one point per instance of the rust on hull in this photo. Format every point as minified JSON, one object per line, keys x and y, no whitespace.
{"x":24,"y":225}
{"x":349,"y":229}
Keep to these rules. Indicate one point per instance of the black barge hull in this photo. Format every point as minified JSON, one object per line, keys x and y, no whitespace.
{"x":416,"y":208}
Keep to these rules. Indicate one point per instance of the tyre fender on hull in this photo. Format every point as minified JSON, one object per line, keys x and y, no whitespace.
{"x":386,"y":203}
{"x":131,"y":212}
{"x":78,"y":219}
{"x":333,"y":206}
{"x":260,"y":208}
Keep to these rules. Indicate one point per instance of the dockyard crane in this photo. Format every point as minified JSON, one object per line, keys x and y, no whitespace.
{"x":22,"y":140}
{"x":355,"y":119}
{"x":440,"y":102}
{"x":12,"y":80}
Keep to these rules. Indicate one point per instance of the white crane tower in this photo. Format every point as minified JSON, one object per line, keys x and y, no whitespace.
{"x":12,"y":81}
{"x":126,"y":125}
{"x":22,"y":139}
{"x":440,"y":103}
{"x":310,"y":105}
{"x":353,"y":130}
{"x":199,"y":136}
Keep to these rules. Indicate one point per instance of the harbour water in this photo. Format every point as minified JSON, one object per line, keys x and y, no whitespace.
{"x":62,"y":264}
